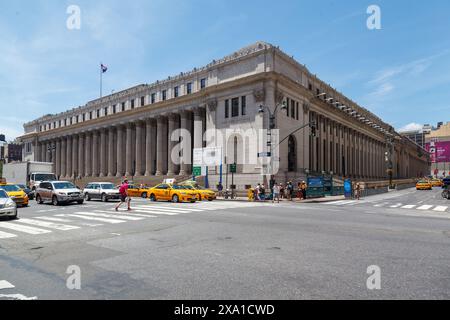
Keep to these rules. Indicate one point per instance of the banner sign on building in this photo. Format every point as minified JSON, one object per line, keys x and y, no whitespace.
{"x":439,"y":151}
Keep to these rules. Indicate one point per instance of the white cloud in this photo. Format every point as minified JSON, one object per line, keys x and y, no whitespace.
{"x":411,"y":127}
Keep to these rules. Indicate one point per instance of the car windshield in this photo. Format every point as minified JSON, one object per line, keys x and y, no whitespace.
{"x":10,"y":188}
{"x":3,"y":194}
{"x":177,"y":187}
{"x":423,"y":181}
{"x":44,"y":177}
{"x":21,"y":186}
{"x":107,"y":186}
{"x":64,"y":185}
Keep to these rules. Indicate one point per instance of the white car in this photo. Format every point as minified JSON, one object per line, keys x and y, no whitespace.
{"x":101,"y":190}
{"x":8,"y":207}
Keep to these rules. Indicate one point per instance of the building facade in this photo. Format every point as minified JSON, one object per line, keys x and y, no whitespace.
{"x":437,"y":141}
{"x":149,"y":131}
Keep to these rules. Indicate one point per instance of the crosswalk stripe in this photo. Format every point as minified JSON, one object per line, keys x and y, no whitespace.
{"x":112,"y":221}
{"x":166,"y":208}
{"x":24,"y":229}
{"x":425,"y":207}
{"x":5,"y":285}
{"x":54,"y":219}
{"x":6,"y":235}
{"x":129,"y":214}
{"x":409,"y":206}
{"x":440,"y":208}
{"x":167,"y":213}
{"x":50,"y":225}
{"x":105,"y":215}
{"x":396,"y":205}
{"x":380,"y":204}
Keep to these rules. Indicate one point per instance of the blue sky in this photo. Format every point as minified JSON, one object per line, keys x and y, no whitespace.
{"x":401,"y":72}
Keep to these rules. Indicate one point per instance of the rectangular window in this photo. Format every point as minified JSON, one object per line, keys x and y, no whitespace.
{"x":123,"y":106}
{"x":78,"y":119}
{"x":90,"y":116}
{"x":54,"y":125}
{"x":244,"y":105}
{"x":106,"y":112}
{"x":287,"y":105}
{"x":292,"y":109}
{"x":84,"y":117}
{"x":114,"y":109}
{"x":203,"y":83}
{"x":70,"y":121}
{"x":153,"y":98}
{"x":175,"y":92}
{"x":132,"y":104}
{"x":297,"y":111}
{"x":235,"y":107}
{"x":59,"y":124}
{"x":227,"y":108}
{"x":189,"y":88}
{"x":310,"y":86}
{"x":98,"y":113}
{"x":142,"y":101}
{"x":164,"y":95}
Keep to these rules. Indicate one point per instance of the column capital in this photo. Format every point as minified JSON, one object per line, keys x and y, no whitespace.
{"x":173,"y":116}
{"x":150,"y":121}
{"x":198,"y":111}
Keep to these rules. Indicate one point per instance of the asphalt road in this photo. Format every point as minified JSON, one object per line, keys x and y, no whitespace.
{"x":231,"y":250}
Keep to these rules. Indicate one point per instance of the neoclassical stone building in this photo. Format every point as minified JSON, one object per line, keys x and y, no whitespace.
{"x":134,"y":132}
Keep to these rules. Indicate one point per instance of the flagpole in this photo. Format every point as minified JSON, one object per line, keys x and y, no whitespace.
{"x":101,"y":80}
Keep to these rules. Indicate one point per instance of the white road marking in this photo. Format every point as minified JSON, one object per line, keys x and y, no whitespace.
{"x":50,"y":225}
{"x":409,"y":206}
{"x":129,"y":214}
{"x":167,"y":213}
{"x":6,"y":235}
{"x":105,"y":215}
{"x":165,"y":208}
{"x":112,"y":221}
{"x":54,"y":219}
{"x":440,"y":208}
{"x":24,"y":229}
{"x":425,"y":207}
{"x":396,"y":205}
{"x":5,"y":285}
{"x":17,"y":297}
{"x":381,"y":204}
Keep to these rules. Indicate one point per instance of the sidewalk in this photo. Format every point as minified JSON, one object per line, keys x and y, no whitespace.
{"x":316,"y":200}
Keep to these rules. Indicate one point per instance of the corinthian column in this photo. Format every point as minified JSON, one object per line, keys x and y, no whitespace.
{"x":172,"y":141}
{"x":161,"y":139}
{"x":198,"y":128}
{"x":58,"y":158}
{"x":75,"y":142}
{"x":81,"y":149}
{"x":88,"y":154}
{"x":129,"y":148}
{"x":139,"y":147}
{"x":95,"y":154}
{"x":149,"y":147}
{"x":186,"y":143}
{"x":111,"y":156}
{"x":103,"y":165}
{"x":69,"y":157}
{"x":63,"y":158}
{"x":120,"y":151}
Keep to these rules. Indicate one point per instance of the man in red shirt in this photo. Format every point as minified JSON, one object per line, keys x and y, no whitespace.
{"x":123,"y":190}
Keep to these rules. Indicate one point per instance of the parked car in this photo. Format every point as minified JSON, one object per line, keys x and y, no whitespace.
{"x":28,"y":191}
{"x":138,"y":191}
{"x":58,"y":192}
{"x":202,"y":193}
{"x":424,"y":185}
{"x":15,"y":193}
{"x":101,"y":190}
{"x":8,"y":207}
{"x":174,"y":193}
{"x":437,"y":183}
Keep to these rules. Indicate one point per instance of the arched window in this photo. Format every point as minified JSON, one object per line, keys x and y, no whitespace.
{"x":292,"y":154}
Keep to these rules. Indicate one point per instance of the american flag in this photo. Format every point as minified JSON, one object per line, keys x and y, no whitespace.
{"x":104,"y":68}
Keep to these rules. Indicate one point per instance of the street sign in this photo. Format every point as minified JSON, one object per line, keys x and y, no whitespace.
{"x":197,"y":171}
{"x":208,"y":156}
{"x":233,"y":168}
{"x":198,"y":157}
{"x":264,"y":154}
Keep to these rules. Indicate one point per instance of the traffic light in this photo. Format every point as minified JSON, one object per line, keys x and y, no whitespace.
{"x":313,"y":129}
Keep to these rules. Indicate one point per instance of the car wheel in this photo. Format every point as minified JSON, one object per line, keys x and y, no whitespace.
{"x":87,"y":197}
{"x":39,"y":199}
{"x":144,"y":195}
{"x":153,"y":198}
{"x":175,"y":199}
{"x":80,"y":201}
{"x":104,"y":198}
{"x":13,"y":217}
{"x":55,"y":201}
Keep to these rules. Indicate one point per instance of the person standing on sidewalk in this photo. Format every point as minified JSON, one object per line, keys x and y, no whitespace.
{"x":124,"y":197}
{"x":276,"y":192}
{"x":358,"y":191}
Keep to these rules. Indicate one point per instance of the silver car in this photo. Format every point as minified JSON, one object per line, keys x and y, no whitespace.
{"x":58,"y":192}
{"x":8,"y":207}
{"x":101,"y":190}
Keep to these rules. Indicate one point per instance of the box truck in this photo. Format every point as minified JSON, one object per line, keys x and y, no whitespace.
{"x":29,"y":173}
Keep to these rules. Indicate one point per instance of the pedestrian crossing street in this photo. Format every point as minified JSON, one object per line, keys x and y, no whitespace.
{"x":387,"y":205}
{"x":52,"y":220}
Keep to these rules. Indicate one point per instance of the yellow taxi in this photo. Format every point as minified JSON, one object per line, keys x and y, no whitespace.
{"x":172,"y":192}
{"x":437,"y":183}
{"x":15,"y":193}
{"x":138,"y":191}
{"x":424,"y":185}
{"x":203,"y":194}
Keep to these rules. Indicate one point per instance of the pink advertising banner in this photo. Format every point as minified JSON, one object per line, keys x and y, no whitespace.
{"x":440,"y":152}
